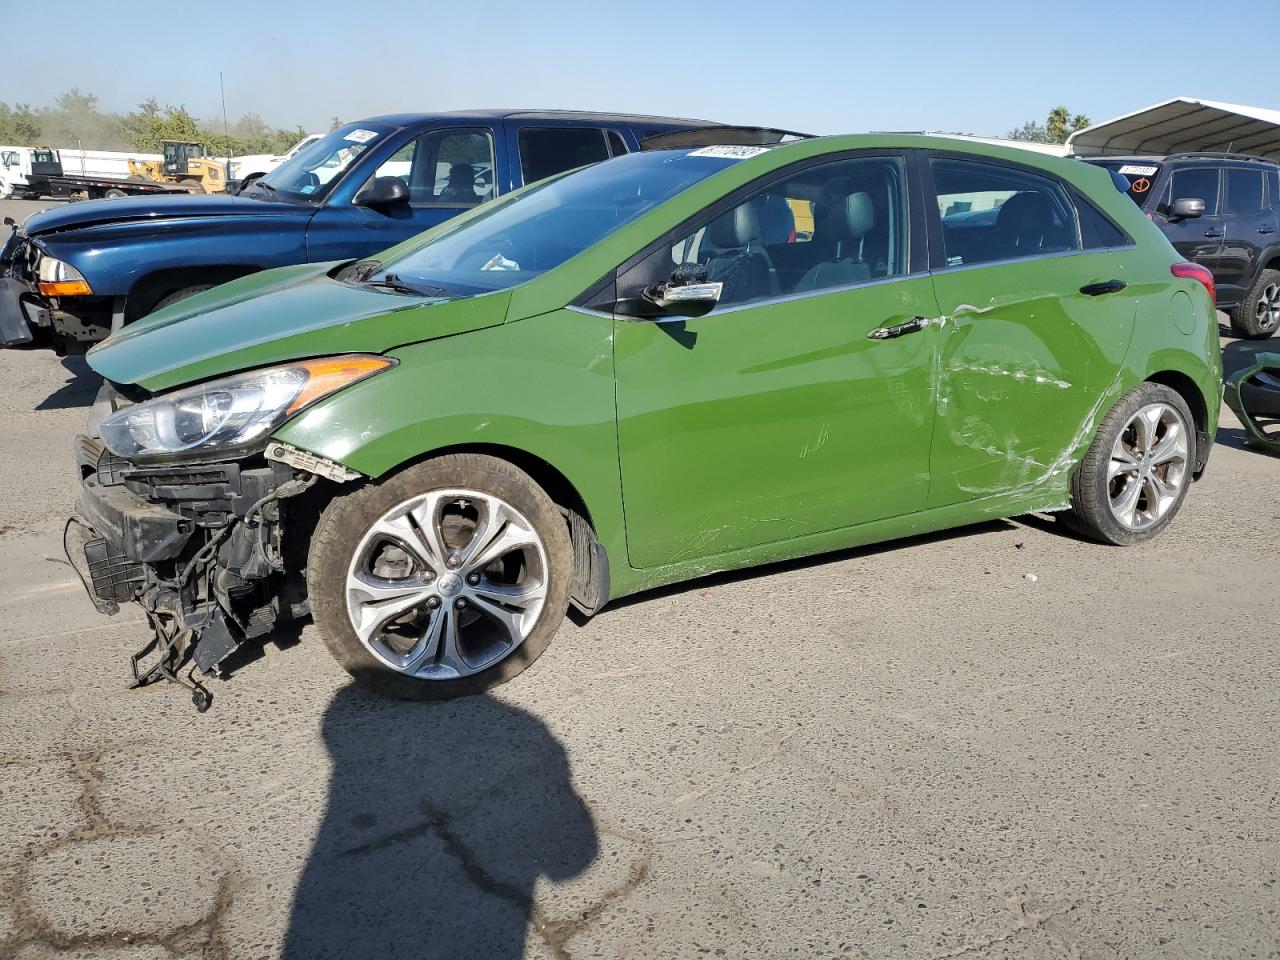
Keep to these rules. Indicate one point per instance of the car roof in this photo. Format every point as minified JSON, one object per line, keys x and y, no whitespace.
{"x":413,"y":119}
{"x":1187,"y":157}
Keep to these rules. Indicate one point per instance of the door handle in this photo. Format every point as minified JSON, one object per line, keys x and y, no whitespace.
{"x":1104,"y":286}
{"x":1266,"y":230}
{"x":1213,"y":233}
{"x":914,"y":325}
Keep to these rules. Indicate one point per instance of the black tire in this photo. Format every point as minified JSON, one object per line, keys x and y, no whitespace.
{"x":343,"y":524}
{"x":1090,"y":514}
{"x":115,"y":193}
{"x":1248,"y":320}
{"x":182,"y":294}
{"x":192,"y":186}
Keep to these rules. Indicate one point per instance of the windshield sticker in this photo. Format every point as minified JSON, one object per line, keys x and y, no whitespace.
{"x":360,"y":136}
{"x":499,"y":262}
{"x":307,"y":188}
{"x":1138,"y":170}
{"x":729,"y":152}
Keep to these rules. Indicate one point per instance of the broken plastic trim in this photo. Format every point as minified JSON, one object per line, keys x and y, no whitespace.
{"x":1261,"y":396}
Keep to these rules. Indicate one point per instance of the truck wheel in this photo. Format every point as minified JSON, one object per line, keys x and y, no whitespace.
{"x":114,"y":193}
{"x":192,"y":186}
{"x":445,"y":579}
{"x":182,"y":294}
{"x":1258,"y":315}
{"x":1136,"y":473}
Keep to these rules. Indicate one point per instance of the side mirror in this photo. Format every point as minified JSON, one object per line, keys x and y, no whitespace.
{"x":383,"y":192}
{"x":1186,"y":208}
{"x":684,"y":299}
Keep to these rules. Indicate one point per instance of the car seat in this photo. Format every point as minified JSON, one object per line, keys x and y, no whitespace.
{"x":840,"y":227}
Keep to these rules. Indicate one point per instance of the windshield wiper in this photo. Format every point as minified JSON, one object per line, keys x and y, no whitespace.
{"x":265,"y":186}
{"x":394,"y":283}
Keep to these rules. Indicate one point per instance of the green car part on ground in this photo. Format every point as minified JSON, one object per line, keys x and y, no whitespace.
{"x":775,"y":429}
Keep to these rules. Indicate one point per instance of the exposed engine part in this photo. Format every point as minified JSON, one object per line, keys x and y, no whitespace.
{"x":311,"y":463}
{"x":1253,"y":394}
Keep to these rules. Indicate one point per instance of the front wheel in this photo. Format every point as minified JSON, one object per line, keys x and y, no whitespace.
{"x":448,"y":578}
{"x":1258,"y":316}
{"x":1136,"y":472}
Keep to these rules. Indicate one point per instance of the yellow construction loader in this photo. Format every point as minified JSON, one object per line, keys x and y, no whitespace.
{"x":184,"y":164}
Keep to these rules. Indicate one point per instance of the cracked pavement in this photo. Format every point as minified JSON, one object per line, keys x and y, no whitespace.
{"x":906,"y":751}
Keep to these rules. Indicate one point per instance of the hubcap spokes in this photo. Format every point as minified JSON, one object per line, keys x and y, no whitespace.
{"x":1148,"y":466}
{"x":1268,"y":309}
{"x":447,"y":584}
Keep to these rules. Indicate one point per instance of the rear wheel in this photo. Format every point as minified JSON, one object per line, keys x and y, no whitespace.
{"x":115,"y":193}
{"x":448,"y":578}
{"x":1258,"y":315}
{"x":194,"y":186}
{"x":1136,"y":473}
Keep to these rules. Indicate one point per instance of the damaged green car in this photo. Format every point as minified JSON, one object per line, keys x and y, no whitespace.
{"x":667,"y":364}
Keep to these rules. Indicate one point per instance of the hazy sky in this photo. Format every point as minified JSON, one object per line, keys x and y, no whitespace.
{"x":825,"y":67}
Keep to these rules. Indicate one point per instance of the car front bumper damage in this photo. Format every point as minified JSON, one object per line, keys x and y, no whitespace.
{"x":200,"y":547}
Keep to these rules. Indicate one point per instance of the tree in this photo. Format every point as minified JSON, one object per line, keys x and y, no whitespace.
{"x":1059,"y":125}
{"x":19,"y":127}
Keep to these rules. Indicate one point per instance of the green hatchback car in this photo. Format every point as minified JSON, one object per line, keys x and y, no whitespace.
{"x":644,"y":371}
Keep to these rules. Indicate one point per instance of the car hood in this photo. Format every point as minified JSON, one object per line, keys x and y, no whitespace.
{"x":149,"y":210}
{"x":276,"y":316}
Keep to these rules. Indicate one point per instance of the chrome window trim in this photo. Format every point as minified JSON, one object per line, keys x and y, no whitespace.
{"x":1053,"y":255}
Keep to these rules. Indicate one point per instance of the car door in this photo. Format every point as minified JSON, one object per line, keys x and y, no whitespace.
{"x":1248,"y":227}
{"x":1199,"y":239}
{"x":804,"y":401}
{"x":543,"y":148}
{"x":447,"y":171}
{"x":1036,"y":325}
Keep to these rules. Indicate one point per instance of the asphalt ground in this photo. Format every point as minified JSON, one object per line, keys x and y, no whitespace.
{"x":995,"y":742}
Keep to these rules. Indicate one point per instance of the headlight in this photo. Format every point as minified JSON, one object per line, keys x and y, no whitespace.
{"x":231,"y":414}
{"x":59,"y":279}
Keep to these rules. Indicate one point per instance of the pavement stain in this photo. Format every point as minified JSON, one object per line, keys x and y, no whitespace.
{"x":33,"y":928}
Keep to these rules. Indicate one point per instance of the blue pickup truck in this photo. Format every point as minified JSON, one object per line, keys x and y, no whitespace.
{"x":71,"y":275}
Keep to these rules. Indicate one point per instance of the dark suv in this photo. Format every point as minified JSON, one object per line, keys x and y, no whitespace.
{"x":1220,"y":210}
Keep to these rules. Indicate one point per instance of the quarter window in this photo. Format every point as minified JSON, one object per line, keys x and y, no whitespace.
{"x":1244,"y":192}
{"x":617,"y":147}
{"x":991,"y":212}
{"x":452,"y":167}
{"x":1197,"y":183}
{"x":546,"y":151}
{"x":1096,"y":230}
{"x":817,"y":228}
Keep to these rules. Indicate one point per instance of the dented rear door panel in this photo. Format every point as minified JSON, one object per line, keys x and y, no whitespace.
{"x":1028,"y":366}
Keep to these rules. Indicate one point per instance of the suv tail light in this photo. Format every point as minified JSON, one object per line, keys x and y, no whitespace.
{"x":1193,"y":271}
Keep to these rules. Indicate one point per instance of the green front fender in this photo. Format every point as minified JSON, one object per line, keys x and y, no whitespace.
{"x":542,"y":386}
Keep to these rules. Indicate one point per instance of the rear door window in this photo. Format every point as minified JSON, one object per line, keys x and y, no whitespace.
{"x":1197,"y":183}
{"x":1244,"y":192}
{"x":1273,"y":187}
{"x":546,"y":151}
{"x":994,"y":212}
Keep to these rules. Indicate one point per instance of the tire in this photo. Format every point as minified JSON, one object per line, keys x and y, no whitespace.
{"x":114,"y":193}
{"x":183,"y":294}
{"x":398,"y":659}
{"x":1098,"y":507}
{"x":192,"y":186}
{"x":1258,"y":315}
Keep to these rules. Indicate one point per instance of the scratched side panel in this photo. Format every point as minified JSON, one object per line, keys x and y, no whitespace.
{"x":1028,"y":366}
{"x":766,"y":423}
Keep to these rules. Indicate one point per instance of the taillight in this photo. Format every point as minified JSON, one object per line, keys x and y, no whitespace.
{"x":1193,"y":271}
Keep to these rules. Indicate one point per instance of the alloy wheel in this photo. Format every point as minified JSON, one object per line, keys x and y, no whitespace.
{"x":1148,"y":467}
{"x":447,"y":584}
{"x":1267,"y":308}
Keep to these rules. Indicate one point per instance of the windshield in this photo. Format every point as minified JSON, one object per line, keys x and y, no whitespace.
{"x":316,"y":169}
{"x":1139,"y":174}
{"x":553,"y":221}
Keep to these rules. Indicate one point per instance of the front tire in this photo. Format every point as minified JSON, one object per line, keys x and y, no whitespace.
{"x":445,"y":579}
{"x":1135,"y":475}
{"x":1258,"y":315}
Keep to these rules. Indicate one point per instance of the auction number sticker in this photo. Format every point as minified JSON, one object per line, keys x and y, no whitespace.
{"x":361,"y":136}
{"x":727,"y":152}
{"x":1138,"y":170}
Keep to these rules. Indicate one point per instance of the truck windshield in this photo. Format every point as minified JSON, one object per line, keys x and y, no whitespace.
{"x":316,"y":169}
{"x":557,"y":219}
{"x":1140,"y":175}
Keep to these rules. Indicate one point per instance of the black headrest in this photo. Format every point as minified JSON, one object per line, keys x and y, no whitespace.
{"x":844,"y":217}
{"x":462,"y":175}
{"x":1024,"y":214}
{"x":737,"y":228}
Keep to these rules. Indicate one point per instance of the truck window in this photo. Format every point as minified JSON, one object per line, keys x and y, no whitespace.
{"x":545,"y":151}
{"x":451,"y":167}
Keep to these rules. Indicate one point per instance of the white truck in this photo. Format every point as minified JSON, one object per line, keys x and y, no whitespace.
{"x":244,"y":170}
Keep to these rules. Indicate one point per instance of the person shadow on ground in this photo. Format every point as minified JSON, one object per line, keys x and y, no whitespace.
{"x":440,"y":818}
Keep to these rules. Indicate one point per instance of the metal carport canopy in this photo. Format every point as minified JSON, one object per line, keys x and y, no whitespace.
{"x":1183,"y":124}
